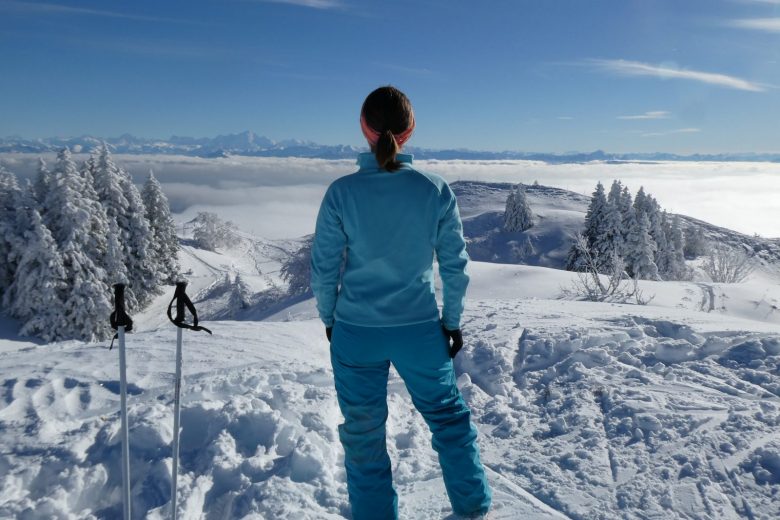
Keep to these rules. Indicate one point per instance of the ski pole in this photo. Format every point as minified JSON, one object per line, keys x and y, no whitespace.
{"x":176,"y":418}
{"x":182,"y":300}
{"x":122,"y":323}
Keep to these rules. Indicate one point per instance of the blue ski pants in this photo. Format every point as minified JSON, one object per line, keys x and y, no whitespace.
{"x":361,"y":358}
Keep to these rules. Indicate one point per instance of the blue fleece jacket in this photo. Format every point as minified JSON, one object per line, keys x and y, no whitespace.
{"x":390,"y":224}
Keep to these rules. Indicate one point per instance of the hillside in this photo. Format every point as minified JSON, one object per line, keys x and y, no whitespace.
{"x":560,"y":215}
{"x":585,"y":410}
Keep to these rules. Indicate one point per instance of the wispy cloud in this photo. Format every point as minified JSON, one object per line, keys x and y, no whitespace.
{"x":654,"y":114}
{"x":672,"y":132}
{"x":564,"y":118}
{"x":416,"y":71}
{"x":758,"y":24}
{"x":57,"y":9}
{"x":316,"y":4}
{"x":636,"y":68}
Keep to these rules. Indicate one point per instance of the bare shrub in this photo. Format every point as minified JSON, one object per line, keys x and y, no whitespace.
{"x":613,"y":286}
{"x":725,"y":264}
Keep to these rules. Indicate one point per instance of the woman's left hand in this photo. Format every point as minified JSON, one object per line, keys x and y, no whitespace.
{"x":457,"y":340}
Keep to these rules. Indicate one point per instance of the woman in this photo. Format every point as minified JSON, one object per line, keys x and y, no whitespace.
{"x":391,"y":218}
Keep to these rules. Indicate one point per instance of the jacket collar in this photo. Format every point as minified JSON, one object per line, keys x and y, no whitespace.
{"x":367,"y":160}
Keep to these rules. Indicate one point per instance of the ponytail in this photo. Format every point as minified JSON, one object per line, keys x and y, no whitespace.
{"x":387,"y":122}
{"x":386,"y":150}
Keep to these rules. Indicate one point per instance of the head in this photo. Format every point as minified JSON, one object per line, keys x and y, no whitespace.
{"x":387,"y":121}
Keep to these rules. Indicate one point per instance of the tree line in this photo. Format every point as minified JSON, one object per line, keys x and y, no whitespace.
{"x":71,"y":234}
{"x":634,"y":231}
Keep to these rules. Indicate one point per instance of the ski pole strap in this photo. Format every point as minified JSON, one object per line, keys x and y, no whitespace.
{"x":182,"y":301}
{"x":119,"y":317}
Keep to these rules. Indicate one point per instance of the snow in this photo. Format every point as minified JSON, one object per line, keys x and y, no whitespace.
{"x":585,"y":410}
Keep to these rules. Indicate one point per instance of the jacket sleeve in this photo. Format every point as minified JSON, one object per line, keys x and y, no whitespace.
{"x":327,"y":252}
{"x":453,"y":259}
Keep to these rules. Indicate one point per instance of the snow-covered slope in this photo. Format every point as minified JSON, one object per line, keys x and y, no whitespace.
{"x":585,"y":410}
{"x":560,"y":215}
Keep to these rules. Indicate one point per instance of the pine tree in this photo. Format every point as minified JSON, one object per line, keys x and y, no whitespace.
{"x":9,"y":239}
{"x":641,"y":251}
{"x":594,"y":222}
{"x":610,"y":241}
{"x":695,"y":243}
{"x":85,"y":296}
{"x":664,"y":253}
{"x":628,"y":216}
{"x":42,"y":182}
{"x":97,"y":247}
{"x":141,"y":271}
{"x":517,"y":214}
{"x":240,"y":295}
{"x":164,"y":242}
{"x":656,"y":227}
{"x":640,"y":203}
{"x":122,"y":204}
{"x":677,"y":263}
{"x":35,"y":295}
{"x":296,"y":269}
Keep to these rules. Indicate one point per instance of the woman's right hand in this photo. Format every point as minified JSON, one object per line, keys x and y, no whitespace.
{"x":328,"y":332}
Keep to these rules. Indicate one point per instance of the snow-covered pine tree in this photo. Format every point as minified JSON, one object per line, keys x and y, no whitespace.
{"x":640,"y":202}
{"x":517,"y":214}
{"x":108,"y":184}
{"x":677,"y":260}
{"x":85,"y":297}
{"x":594,"y":220}
{"x":296,"y":269}
{"x":627,"y":213}
{"x":656,"y":227}
{"x":663,"y":255}
{"x":240,"y":297}
{"x":695,"y":243}
{"x":611,"y":238}
{"x":9,"y":239}
{"x":97,"y":247}
{"x":641,"y":251}
{"x":42,"y":181}
{"x":35,"y":294}
{"x":123,"y":205}
{"x":164,"y":242}
{"x":141,"y":271}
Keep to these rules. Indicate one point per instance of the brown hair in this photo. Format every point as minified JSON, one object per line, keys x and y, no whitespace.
{"x":388,"y":111}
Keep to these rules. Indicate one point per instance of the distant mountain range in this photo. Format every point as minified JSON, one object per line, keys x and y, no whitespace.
{"x":250,"y":144}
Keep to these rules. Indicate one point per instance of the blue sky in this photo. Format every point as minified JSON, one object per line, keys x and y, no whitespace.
{"x":555,"y":75}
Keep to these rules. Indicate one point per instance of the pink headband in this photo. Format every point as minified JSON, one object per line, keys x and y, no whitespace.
{"x":372,"y":136}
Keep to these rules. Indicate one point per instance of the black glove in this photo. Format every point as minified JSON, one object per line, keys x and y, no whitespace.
{"x":328,"y":332}
{"x":457,"y":340}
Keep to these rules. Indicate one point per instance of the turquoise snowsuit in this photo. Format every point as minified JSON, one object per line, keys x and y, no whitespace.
{"x":385,"y":311}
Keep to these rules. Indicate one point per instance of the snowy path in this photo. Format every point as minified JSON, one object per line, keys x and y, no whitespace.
{"x":593,"y":412}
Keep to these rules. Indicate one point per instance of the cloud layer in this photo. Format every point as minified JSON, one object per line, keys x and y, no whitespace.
{"x":279,"y":198}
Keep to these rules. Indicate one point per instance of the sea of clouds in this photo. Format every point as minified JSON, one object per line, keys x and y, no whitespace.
{"x":280,"y":197}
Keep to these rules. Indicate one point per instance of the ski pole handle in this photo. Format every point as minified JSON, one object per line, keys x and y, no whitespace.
{"x":180,"y":288}
{"x":119,"y":317}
